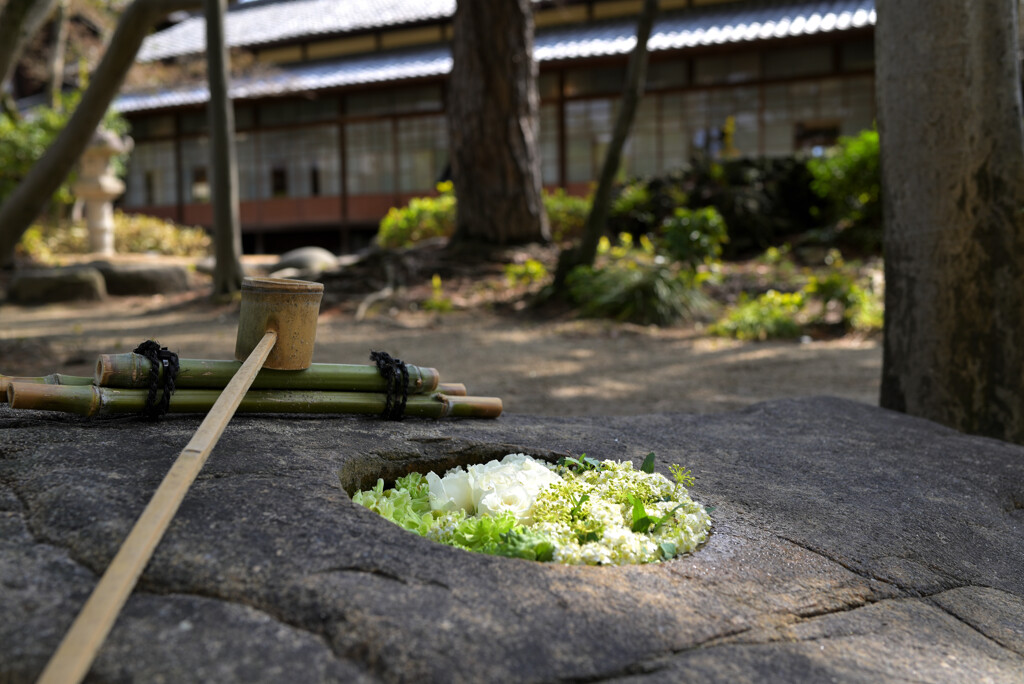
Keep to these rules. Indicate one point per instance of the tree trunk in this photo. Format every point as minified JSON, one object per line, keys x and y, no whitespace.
{"x":952,"y":145}
{"x":636,"y":77}
{"x":60,"y":39}
{"x":227,"y":232}
{"x":492,"y":119}
{"x":25,"y":203}
{"x":19,"y":21}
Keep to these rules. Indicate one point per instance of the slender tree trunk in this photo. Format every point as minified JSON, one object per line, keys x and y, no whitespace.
{"x":492,"y":117}
{"x":19,"y":21}
{"x":227,"y":232}
{"x":597,"y":220}
{"x":952,"y":145}
{"x":60,"y":39}
{"x":24,"y":204}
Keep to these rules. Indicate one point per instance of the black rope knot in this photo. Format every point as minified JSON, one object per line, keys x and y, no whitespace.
{"x":396,"y":378}
{"x":159,"y":357}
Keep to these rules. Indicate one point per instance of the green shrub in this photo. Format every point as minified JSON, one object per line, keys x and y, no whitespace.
{"x":762,"y":201}
{"x":528,"y":273}
{"x":566,"y":214}
{"x":636,"y":285}
{"x":848,"y":178}
{"x":133,"y":234}
{"x":694,"y":236}
{"x":641,"y":206}
{"x":421,"y":219}
{"x":23,"y":142}
{"x":438,"y":301}
{"x":860,"y":309}
{"x":430,"y":217}
{"x":771,"y":315}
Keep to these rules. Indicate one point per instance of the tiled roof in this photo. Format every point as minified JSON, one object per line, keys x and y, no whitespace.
{"x":710,"y":26}
{"x":270,"y":21}
{"x":372,"y":68}
{"x":722,"y":24}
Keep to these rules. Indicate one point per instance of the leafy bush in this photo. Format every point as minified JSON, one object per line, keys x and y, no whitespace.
{"x":421,"y":219}
{"x":566,"y":214}
{"x":23,"y":142}
{"x":694,"y":236}
{"x":438,"y":301}
{"x":848,"y":178}
{"x":641,"y":206}
{"x":837,"y":290}
{"x":860,"y":309}
{"x":528,"y":273}
{"x":430,"y":217}
{"x":637,"y":285}
{"x":133,"y":234}
{"x":762,"y":201}
{"x":771,"y":315}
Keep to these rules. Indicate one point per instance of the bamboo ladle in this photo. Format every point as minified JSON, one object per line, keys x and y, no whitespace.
{"x":276,"y":329}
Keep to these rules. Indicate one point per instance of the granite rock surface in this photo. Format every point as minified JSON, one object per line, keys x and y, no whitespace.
{"x":849,"y":544}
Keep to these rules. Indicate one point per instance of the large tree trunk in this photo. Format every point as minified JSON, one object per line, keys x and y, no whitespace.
{"x":952,"y":144}
{"x":227,"y":232}
{"x":492,"y":118}
{"x":636,"y":77}
{"x":25,"y":203}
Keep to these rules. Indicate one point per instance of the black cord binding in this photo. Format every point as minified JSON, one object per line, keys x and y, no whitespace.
{"x":159,"y":357}
{"x":396,"y":377}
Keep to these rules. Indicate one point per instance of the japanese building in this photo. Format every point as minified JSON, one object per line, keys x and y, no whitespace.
{"x":345,"y":116}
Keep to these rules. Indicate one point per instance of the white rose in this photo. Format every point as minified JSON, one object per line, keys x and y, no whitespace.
{"x":452,"y":492}
{"x":514,"y":500}
{"x":534,"y":479}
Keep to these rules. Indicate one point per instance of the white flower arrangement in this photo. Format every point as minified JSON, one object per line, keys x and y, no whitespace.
{"x":579,"y":511}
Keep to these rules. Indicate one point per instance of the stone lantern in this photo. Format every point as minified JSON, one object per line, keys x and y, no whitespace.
{"x":98,"y":186}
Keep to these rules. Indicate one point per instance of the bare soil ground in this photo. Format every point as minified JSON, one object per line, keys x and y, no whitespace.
{"x":548,"y":365}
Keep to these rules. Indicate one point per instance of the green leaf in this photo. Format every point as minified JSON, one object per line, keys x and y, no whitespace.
{"x":668,"y":550}
{"x":592,"y":462}
{"x":520,"y":543}
{"x":641,"y":521}
{"x":648,"y":465}
{"x":577,"y":505}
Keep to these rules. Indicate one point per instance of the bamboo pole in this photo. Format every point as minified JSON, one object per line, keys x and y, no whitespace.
{"x":132,"y":371}
{"x":452,"y":389}
{"x":52,"y":379}
{"x":71,"y":661}
{"x":100,"y":401}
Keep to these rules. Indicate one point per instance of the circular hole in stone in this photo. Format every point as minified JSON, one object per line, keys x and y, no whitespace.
{"x":492,"y":499}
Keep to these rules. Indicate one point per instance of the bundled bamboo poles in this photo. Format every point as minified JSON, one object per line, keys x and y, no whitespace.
{"x":52,"y":379}
{"x":132,"y":371}
{"x":120,"y":386}
{"x":90,"y":400}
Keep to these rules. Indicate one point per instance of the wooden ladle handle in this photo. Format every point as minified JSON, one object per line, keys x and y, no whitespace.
{"x":71,"y":661}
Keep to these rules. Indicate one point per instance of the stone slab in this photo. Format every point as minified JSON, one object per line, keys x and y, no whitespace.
{"x":126,"y":279}
{"x":51,"y":285}
{"x":850,"y":544}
